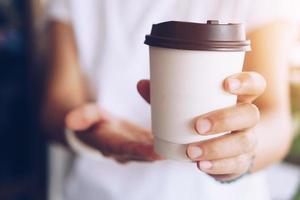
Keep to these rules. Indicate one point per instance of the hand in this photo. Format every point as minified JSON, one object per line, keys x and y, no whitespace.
{"x":230,"y":155}
{"x":113,"y":137}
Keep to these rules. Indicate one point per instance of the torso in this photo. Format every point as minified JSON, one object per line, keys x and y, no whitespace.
{"x":110,"y":36}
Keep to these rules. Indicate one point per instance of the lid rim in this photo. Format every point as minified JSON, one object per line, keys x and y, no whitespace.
{"x":202,"y":45}
{"x":199,"y":36}
{"x":204,"y":48}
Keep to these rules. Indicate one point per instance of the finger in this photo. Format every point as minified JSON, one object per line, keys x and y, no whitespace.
{"x":119,"y":159}
{"x":122,"y":161}
{"x":225,"y":177}
{"x":233,"y":165}
{"x":131,"y":158}
{"x":248,"y":85}
{"x":125,"y":158}
{"x":118,"y":144}
{"x":143,"y":87}
{"x":226,"y":146}
{"x":136,"y":151}
{"x":106,"y":154}
{"x":83,"y":117}
{"x":238,"y":117}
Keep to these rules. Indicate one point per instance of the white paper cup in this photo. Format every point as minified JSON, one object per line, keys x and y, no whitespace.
{"x":184,"y":84}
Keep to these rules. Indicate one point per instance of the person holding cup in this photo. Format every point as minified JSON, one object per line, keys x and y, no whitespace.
{"x":98,"y":58}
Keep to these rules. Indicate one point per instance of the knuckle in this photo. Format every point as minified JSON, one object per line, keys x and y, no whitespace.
{"x":253,"y":75}
{"x":256,"y":112}
{"x":254,"y":137}
{"x":242,"y":163}
{"x":243,"y":159}
{"x":258,"y":80}
{"x":226,"y":120}
{"x":210,"y":151}
{"x":248,"y":141}
{"x":225,"y":165}
{"x":263,"y":83}
{"x":222,"y":115}
{"x":253,"y":109}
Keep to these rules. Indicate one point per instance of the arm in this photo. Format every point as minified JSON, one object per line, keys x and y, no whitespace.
{"x":269,"y":58}
{"x":69,"y":104}
{"x":261,"y":129}
{"x":65,"y":87}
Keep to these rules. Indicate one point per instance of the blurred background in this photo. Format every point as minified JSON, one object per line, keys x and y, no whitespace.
{"x":23,"y":151}
{"x":30,"y":169}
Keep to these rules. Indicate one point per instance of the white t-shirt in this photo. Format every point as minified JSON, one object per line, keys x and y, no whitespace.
{"x":109,"y":36}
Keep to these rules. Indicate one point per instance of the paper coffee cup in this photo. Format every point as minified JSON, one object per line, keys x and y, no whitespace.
{"x":188,"y":64}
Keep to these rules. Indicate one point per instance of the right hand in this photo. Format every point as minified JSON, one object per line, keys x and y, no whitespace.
{"x":113,"y":137}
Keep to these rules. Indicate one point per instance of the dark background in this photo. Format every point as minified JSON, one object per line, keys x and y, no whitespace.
{"x":22,"y":148}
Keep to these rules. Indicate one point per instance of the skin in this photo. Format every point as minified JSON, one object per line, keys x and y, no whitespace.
{"x":259,"y":123}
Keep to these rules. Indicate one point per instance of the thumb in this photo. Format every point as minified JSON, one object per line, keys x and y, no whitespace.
{"x":83,"y":117}
{"x":143,"y":87}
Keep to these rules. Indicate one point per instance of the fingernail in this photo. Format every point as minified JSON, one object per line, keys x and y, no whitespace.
{"x":194,"y":152}
{"x":203,"y":126}
{"x":234,"y":84}
{"x":204,"y":165}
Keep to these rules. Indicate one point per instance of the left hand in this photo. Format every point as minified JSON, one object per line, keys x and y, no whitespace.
{"x":112,"y":136}
{"x":228,"y":156}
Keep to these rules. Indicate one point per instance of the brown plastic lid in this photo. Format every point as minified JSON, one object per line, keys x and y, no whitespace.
{"x":211,"y":36}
